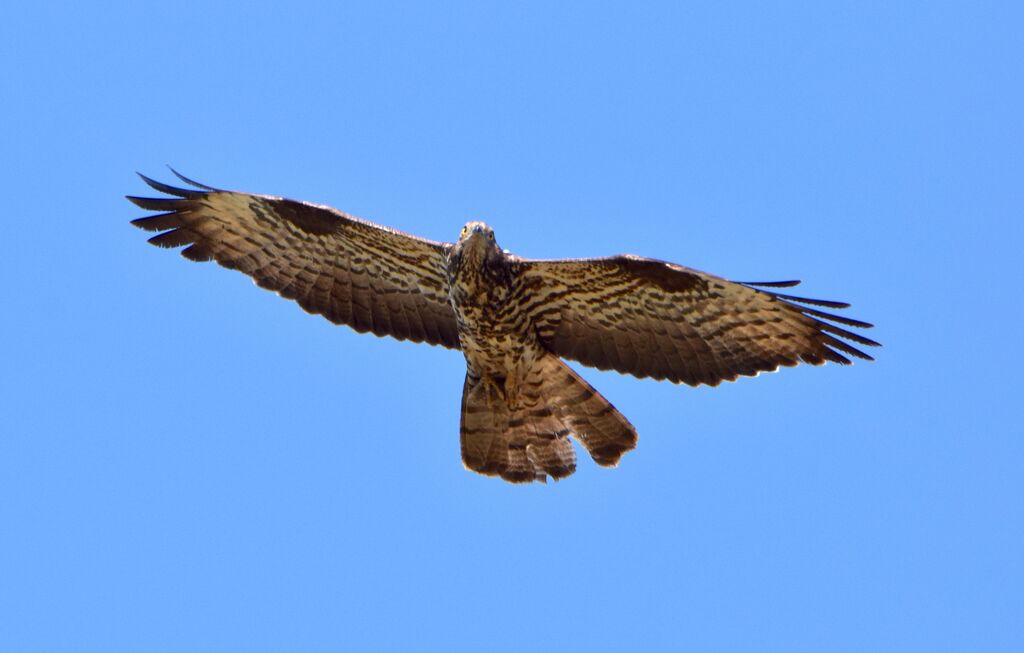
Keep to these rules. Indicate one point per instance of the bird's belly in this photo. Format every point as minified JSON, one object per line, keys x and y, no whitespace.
{"x":493,"y":346}
{"x":493,"y":351}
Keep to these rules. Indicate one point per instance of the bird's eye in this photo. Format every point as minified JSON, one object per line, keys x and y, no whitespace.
{"x":491,"y":235}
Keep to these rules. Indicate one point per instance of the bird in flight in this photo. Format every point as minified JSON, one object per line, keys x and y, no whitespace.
{"x":513,"y":318}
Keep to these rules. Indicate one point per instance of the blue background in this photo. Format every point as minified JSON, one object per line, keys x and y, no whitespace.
{"x":190,"y":463}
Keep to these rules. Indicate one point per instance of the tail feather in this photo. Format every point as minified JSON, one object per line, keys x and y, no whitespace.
{"x":525,"y":437}
{"x":593,"y":420}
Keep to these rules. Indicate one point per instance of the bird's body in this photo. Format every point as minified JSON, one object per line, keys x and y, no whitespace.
{"x":480,"y":286}
{"x":512,"y":318}
{"x":520,"y":403}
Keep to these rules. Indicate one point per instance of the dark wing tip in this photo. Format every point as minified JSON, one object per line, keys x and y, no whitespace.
{"x":156,"y":203}
{"x":772,"y":284}
{"x":832,"y":338}
{"x":802,"y":304}
{"x":832,"y":344}
{"x":173,"y":238}
{"x":192,"y":182}
{"x":170,"y":221}
{"x":159,"y":222}
{"x":171,"y":190}
{"x":813,"y":302}
{"x":848,"y":321}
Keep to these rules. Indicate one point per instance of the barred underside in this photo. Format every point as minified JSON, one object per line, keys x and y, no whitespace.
{"x":655,"y":319}
{"x":525,"y":437}
{"x":512,"y":317}
{"x":353,"y":272}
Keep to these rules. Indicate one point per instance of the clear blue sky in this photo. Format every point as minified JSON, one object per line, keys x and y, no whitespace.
{"x":190,"y":463}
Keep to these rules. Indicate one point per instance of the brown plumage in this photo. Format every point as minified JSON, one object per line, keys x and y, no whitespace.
{"x":513,"y":318}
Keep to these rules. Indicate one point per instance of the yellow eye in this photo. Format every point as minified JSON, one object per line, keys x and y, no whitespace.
{"x":491,"y":235}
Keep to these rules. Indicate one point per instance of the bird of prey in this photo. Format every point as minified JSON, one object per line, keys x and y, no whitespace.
{"x":513,"y":318}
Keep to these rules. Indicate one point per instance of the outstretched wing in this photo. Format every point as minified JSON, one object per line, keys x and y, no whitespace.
{"x":655,"y":319}
{"x":351,"y":271}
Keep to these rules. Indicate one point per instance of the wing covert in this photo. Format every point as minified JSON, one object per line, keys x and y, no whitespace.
{"x":351,"y":271}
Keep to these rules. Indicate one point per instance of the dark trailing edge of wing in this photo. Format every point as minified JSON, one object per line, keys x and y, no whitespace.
{"x":828,"y":330}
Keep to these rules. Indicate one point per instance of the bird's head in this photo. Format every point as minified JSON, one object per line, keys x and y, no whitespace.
{"x":477,"y":241}
{"x":477,"y":234}
{"x":477,"y":248}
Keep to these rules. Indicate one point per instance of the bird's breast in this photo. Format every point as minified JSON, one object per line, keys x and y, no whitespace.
{"x":490,"y":336}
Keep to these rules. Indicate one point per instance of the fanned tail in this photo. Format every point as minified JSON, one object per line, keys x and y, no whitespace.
{"x":525,"y":437}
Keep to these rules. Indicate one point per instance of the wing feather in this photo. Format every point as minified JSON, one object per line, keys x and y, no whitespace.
{"x":655,"y":319}
{"x":351,"y":271}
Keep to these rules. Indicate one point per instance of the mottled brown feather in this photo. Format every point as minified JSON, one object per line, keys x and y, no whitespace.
{"x":525,"y":437}
{"x":351,"y":271}
{"x":655,"y":319}
{"x":512,"y":317}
